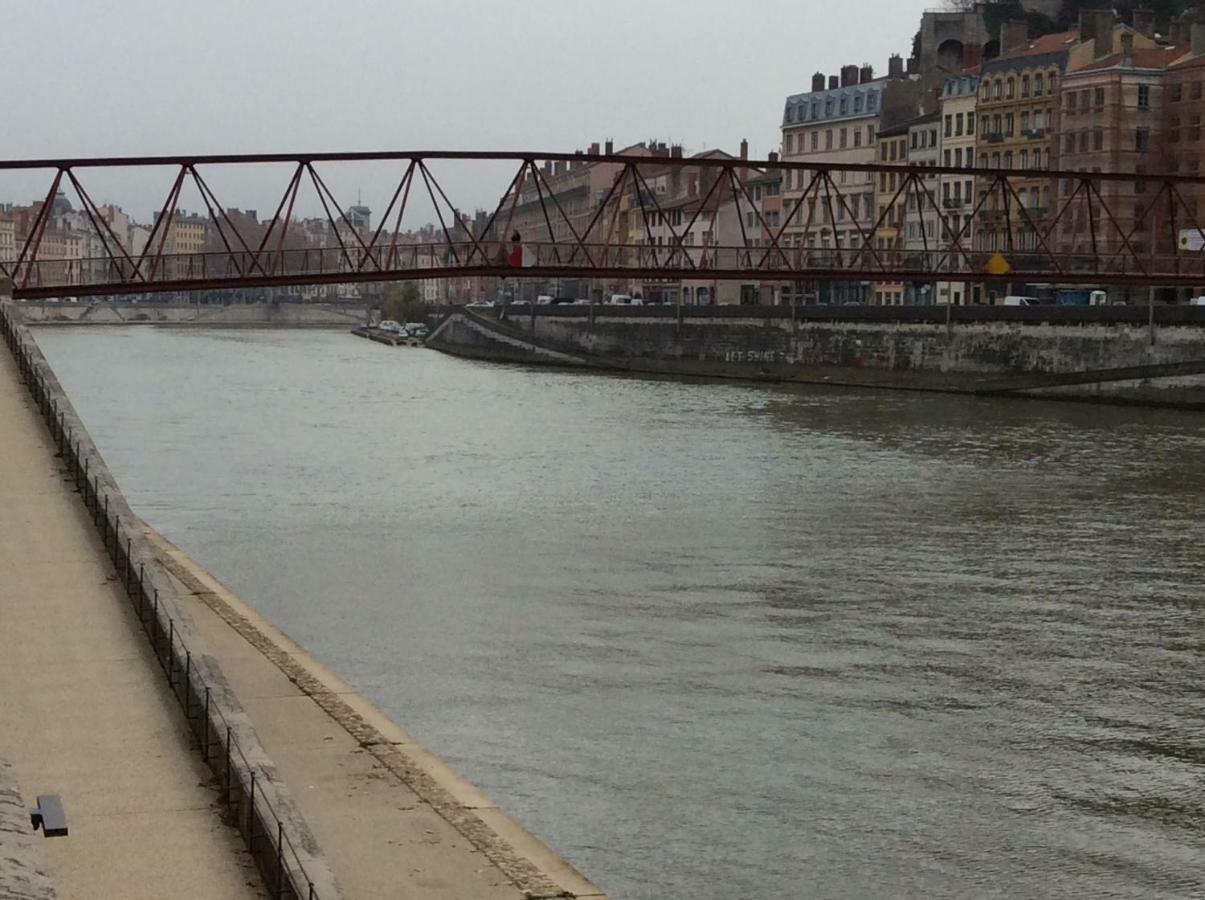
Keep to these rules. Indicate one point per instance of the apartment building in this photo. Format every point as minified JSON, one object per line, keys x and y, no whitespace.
{"x":1111,"y":118}
{"x":837,"y":123}
{"x":890,"y":205}
{"x":8,"y":241}
{"x":1184,"y":108}
{"x":689,"y":219}
{"x":922,"y":213}
{"x":1017,"y":106}
{"x":959,"y":98}
{"x":565,"y":199}
{"x":763,"y":223}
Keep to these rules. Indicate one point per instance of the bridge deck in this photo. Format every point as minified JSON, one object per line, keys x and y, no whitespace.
{"x":84,"y":711}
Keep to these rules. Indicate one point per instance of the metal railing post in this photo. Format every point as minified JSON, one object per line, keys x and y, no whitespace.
{"x":280,"y":860}
{"x":227,"y":790}
{"x":251,"y":815}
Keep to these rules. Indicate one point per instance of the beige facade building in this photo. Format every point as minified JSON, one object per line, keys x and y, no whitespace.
{"x":8,"y":240}
{"x":836,"y":123}
{"x":1018,"y":103}
{"x":890,"y":205}
{"x":959,"y":98}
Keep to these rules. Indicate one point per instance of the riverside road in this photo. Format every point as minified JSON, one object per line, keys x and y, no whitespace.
{"x":712,"y":640}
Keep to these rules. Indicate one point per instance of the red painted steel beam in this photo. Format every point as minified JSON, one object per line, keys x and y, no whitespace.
{"x":484,"y":155}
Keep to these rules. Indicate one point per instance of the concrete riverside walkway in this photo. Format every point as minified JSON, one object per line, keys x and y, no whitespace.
{"x":393,"y":821}
{"x":85,"y":711}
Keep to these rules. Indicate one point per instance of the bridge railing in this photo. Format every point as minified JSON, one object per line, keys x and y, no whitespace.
{"x":189,"y":271}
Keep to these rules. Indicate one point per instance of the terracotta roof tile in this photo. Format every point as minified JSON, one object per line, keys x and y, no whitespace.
{"x":1047,"y":43}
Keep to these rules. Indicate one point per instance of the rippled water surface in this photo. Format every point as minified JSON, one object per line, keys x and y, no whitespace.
{"x":714,"y":640}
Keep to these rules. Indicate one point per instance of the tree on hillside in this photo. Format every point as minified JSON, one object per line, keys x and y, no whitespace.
{"x":402,"y":303}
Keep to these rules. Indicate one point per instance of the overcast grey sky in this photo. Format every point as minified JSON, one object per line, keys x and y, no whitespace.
{"x":93,"y":78}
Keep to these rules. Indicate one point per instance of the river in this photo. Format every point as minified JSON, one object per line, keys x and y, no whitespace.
{"x":713,"y":640}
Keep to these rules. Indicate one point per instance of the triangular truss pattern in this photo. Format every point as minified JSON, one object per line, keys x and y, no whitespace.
{"x":641,"y":216}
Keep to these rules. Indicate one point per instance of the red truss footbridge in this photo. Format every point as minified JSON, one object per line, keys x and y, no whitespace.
{"x":637,"y":214}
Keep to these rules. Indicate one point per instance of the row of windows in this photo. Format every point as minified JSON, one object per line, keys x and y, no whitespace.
{"x":955,"y":158}
{"x":1173,"y":130}
{"x":1178,"y":93}
{"x":1086,"y":101}
{"x":771,"y":218}
{"x":1093,"y":100}
{"x":844,"y":176}
{"x":1025,"y":159}
{"x":1006,"y":88}
{"x":1030,"y":121}
{"x":843,"y":206}
{"x":860,"y":102}
{"x":954,"y":124}
{"x":893,"y":150}
{"x":794,"y":143}
{"x":923,"y":138}
{"x":1097,"y":138}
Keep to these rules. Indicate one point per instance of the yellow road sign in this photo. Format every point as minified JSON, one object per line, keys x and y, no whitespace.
{"x":998,"y":265}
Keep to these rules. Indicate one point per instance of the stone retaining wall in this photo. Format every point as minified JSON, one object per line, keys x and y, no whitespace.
{"x":259,"y":803}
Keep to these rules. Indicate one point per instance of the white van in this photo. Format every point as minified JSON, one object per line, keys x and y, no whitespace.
{"x":621,"y":300}
{"x":1098,"y":298}
{"x":1196,"y":301}
{"x":1020,"y":301}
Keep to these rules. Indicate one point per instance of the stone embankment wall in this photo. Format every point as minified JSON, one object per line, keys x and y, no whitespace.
{"x":258,"y":802}
{"x":107,"y":312}
{"x":1122,"y":361}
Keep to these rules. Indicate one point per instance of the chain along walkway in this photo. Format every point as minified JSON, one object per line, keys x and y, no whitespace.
{"x":84,"y":709}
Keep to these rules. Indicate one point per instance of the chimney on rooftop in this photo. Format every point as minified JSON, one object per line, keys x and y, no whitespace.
{"x":849,"y":75}
{"x":1097,"y":25}
{"x":866,"y":74}
{"x":1181,"y":33}
{"x":1197,"y":38}
{"x":594,"y":149}
{"x":972,"y":55}
{"x":1014,"y":34}
{"x":1144,"y":22}
{"x":675,"y":151}
{"x":911,"y":66}
{"x":558,"y":167}
{"x":895,"y":66}
{"x":773,"y":156}
{"x":833,"y":82}
{"x":610,"y":145}
{"x":818,"y":81}
{"x":1127,"y":48}
{"x":744,"y":149}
